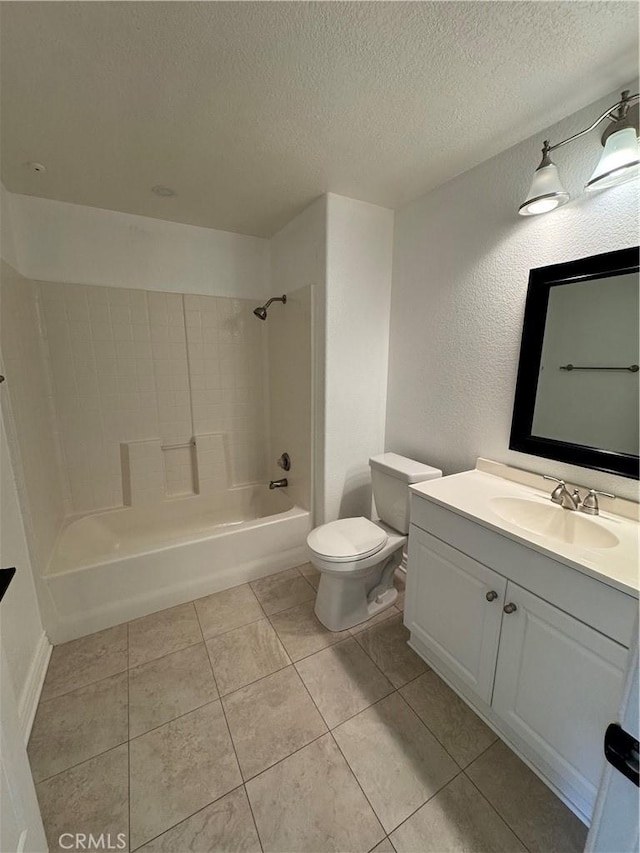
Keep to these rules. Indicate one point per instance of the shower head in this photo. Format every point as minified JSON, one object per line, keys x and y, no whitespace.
{"x":261,"y":312}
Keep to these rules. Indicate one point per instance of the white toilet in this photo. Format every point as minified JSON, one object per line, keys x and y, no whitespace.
{"x":357,"y":557}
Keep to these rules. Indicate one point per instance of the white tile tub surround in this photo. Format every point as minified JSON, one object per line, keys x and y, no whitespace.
{"x":226,"y":346}
{"x":131,"y":365}
{"x":180,"y":470}
{"x":212,"y":471}
{"x":143,"y":473}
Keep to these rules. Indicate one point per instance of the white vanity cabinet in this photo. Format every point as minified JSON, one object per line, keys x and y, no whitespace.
{"x":547,"y":673}
{"x":454,"y":607}
{"x":558,"y":684}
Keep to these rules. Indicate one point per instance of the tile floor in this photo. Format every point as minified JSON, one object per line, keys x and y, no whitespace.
{"x":238,"y":723}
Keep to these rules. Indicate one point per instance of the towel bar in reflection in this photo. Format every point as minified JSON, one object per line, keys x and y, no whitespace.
{"x":632,"y":368}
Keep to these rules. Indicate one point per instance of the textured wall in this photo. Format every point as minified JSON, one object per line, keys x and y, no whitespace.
{"x":358,"y":295}
{"x":461,"y":261}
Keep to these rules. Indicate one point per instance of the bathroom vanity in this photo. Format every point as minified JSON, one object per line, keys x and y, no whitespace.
{"x":527,"y":610}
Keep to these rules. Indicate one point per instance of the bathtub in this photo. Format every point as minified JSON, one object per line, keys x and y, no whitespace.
{"x":113,"y":566}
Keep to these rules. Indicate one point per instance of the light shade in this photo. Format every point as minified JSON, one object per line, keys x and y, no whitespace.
{"x":619,"y":162}
{"x":546,"y":191}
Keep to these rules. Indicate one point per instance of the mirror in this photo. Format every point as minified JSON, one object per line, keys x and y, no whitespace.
{"x":578,"y":390}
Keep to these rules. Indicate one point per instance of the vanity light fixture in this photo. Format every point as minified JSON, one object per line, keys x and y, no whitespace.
{"x":619,"y":162}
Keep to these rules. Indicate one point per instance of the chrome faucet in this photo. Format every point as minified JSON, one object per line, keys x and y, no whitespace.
{"x":278,"y":484}
{"x":562,"y":496}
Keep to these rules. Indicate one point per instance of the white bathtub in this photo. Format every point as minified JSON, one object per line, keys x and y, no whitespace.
{"x":117,"y":565}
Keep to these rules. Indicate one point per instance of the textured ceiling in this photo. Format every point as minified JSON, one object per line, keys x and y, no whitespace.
{"x":251,"y":110}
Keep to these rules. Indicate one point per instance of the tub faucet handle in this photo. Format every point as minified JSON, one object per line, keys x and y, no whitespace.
{"x":284,"y":462}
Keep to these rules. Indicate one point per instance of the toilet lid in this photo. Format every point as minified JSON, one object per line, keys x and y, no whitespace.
{"x":347,"y":539}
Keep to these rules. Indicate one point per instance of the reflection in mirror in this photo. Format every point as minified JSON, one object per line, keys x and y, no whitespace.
{"x":577,"y":395}
{"x":588,"y":383}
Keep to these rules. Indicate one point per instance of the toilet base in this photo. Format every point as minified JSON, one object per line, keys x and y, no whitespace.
{"x":344,"y":602}
{"x":382,"y":602}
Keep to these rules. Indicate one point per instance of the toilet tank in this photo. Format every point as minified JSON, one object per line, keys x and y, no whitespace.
{"x":391,"y":476}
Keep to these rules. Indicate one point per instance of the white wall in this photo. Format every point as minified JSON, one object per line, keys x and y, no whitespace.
{"x":72,"y":243}
{"x":358,"y":297}
{"x":298,"y":267}
{"x":461,"y":262}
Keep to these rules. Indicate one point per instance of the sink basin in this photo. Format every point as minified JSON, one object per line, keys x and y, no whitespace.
{"x":553,"y":521}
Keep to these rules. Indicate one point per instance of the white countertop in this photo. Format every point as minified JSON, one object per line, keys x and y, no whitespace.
{"x":470,"y":495}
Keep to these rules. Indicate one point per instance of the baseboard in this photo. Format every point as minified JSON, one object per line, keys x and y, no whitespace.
{"x":30,"y":695}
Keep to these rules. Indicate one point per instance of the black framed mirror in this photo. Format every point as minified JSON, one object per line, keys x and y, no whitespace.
{"x":578,"y":389}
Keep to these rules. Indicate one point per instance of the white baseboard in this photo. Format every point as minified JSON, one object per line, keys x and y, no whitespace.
{"x":30,"y":695}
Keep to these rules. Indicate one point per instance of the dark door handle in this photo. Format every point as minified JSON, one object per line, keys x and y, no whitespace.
{"x":622,"y":751}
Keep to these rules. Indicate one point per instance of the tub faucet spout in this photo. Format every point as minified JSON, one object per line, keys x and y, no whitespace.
{"x":278,"y":484}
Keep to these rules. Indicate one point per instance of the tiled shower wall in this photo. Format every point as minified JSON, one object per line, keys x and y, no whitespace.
{"x":130,"y":365}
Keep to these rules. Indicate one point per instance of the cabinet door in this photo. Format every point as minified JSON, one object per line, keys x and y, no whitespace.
{"x":558,"y":685}
{"x":447,"y":609}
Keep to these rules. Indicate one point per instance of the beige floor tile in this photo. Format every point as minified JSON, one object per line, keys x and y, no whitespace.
{"x":81,"y":662}
{"x":228,"y":609}
{"x":271,"y":719}
{"x":178,"y":769}
{"x":379,"y":617}
{"x":459,"y":730}
{"x":162,"y":633}
{"x":342,"y":681}
{"x":310,"y":573}
{"x":311,"y":803}
{"x":225,"y":826}
{"x":385,"y":846}
{"x":246,"y":654}
{"x":91,"y":798}
{"x":301,"y":633}
{"x":282,"y":591}
{"x":168,"y":687}
{"x":395,"y":758}
{"x":76,"y":726}
{"x":386,"y":643}
{"x":456,"y":820}
{"x":535,"y":814}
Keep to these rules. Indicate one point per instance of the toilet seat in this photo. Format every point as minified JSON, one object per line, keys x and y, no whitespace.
{"x":347,"y":540}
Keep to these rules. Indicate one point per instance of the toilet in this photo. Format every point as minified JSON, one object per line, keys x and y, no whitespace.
{"x":356,"y":557}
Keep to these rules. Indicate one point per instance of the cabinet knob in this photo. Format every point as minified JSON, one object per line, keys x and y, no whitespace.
{"x":491,"y":595}
{"x":510,"y":608}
